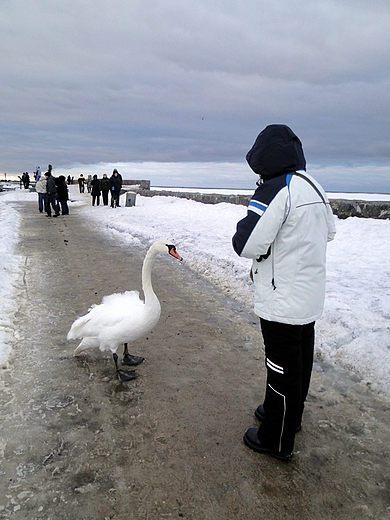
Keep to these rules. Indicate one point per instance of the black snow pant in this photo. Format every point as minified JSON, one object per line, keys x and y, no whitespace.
{"x":105,"y":197}
{"x":115,"y":197}
{"x":64,"y":207}
{"x":97,"y":199}
{"x":289,"y":351}
{"x":52,"y":201}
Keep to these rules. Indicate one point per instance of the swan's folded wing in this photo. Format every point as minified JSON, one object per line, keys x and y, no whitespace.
{"x":114,"y":309}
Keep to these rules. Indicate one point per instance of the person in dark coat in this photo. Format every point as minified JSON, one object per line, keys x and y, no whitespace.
{"x":115,"y":186}
{"x":51,"y":190}
{"x":95,"y":190}
{"x":62,"y":194}
{"x":26,"y":181}
{"x":105,"y":187}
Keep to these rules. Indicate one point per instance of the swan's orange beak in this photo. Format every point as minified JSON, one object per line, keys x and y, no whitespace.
{"x":173,"y":252}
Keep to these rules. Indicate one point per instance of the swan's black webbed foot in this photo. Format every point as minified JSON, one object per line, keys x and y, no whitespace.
{"x":129,"y":359}
{"x":126,"y":375}
{"x":123,"y":375}
{"x":132,"y":361}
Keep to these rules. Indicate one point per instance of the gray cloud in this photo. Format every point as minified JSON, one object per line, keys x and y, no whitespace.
{"x":179,"y":81}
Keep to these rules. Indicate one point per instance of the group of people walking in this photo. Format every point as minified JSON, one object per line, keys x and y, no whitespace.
{"x":52,"y":193}
{"x":102,"y":187}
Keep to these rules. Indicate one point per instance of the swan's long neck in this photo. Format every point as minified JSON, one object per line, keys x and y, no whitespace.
{"x":150,"y":297}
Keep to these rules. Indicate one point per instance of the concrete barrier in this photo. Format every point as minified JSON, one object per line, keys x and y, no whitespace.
{"x":130,"y":198}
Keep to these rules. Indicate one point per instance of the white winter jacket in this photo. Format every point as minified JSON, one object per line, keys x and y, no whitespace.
{"x":40,"y":186}
{"x":286,"y":230}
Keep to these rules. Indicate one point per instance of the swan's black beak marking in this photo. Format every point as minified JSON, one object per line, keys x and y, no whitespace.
{"x":173,"y":252}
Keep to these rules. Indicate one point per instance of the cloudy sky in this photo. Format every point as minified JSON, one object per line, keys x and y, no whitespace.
{"x":127,"y":81}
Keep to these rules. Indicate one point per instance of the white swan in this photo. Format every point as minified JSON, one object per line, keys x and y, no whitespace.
{"x":123,"y":317}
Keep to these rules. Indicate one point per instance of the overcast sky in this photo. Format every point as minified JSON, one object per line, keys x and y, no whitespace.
{"x":92,"y":81}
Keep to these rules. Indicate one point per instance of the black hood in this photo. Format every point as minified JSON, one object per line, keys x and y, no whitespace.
{"x":277,"y":150}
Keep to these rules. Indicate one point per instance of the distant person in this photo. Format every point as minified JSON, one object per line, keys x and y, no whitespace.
{"x":51,"y":190}
{"x":285,"y":233}
{"x":95,"y":190}
{"x":69,"y":180}
{"x":26,"y":181}
{"x":115,"y":187}
{"x":37,"y":174}
{"x":41,"y":189}
{"x":89,"y":184}
{"x":81,"y":183}
{"x":63,"y":195}
{"x":105,"y":187}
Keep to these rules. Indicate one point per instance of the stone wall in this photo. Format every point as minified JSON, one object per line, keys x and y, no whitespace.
{"x":143,"y":185}
{"x":342,"y":208}
{"x":205,"y":198}
{"x":360,"y":208}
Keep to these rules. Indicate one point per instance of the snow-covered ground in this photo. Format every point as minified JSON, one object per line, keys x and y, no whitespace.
{"x":354,"y":332}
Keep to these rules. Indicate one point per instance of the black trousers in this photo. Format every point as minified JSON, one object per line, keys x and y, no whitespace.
{"x":115,"y":197}
{"x":64,"y":207}
{"x":289,"y":351}
{"x":51,"y":200}
{"x":105,"y":197}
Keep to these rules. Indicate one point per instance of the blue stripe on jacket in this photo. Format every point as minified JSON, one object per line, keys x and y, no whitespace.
{"x":259,"y":203}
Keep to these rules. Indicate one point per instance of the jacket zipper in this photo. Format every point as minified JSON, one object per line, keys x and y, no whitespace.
{"x":273,"y":267}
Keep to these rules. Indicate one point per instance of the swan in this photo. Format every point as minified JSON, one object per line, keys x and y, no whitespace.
{"x":123,"y":317}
